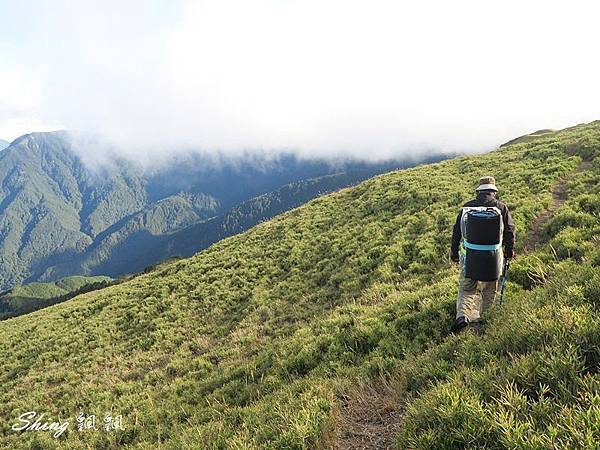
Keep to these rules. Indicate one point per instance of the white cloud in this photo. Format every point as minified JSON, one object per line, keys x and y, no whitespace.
{"x":367,"y":78}
{"x":19,"y":93}
{"x":20,"y":101}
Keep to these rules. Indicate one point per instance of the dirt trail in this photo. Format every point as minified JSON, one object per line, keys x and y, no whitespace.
{"x":370,"y":416}
{"x":559,"y":197}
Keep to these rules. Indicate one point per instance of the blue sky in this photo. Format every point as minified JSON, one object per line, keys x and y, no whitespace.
{"x":364,"y":78}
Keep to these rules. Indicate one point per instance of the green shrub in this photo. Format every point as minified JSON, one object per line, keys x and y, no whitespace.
{"x":571,"y":242}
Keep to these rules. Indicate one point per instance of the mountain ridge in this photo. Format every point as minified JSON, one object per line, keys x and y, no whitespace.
{"x":194,"y":237}
{"x":59,"y":218}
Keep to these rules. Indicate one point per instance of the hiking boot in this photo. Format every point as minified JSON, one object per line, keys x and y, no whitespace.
{"x":476,"y":327}
{"x":460,"y":323}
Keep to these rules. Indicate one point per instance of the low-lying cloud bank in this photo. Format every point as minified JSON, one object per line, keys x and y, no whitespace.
{"x":322,"y":78}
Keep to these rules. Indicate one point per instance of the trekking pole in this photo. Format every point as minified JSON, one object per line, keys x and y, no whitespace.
{"x":503,"y":280}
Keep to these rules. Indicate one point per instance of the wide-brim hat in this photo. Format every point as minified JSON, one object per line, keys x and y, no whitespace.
{"x":487,"y":184}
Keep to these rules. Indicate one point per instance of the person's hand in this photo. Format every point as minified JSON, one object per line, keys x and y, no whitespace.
{"x":510,"y":254}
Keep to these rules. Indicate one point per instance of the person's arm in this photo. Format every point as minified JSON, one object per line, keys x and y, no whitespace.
{"x":456,"y":236}
{"x":509,"y":235}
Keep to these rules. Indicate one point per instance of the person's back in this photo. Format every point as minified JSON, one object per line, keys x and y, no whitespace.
{"x":475,"y":296}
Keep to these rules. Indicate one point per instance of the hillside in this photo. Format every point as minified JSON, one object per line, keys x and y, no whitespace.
{"x":265,"y":339}
{"x":3,"y":144}
{"x":61,"y":217}
{"x":31,"y":297}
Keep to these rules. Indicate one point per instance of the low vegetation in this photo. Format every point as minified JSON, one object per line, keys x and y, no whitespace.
{"x":254,"y":342}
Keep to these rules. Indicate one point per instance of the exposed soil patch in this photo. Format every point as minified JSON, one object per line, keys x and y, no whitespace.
{"x":370,"y":416}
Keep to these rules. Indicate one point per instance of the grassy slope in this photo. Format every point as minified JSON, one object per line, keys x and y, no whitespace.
{"x":250,"y":343}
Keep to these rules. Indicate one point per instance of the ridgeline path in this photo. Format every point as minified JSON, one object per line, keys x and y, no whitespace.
{"x":369,"y":418}
{"x":533,"y":237}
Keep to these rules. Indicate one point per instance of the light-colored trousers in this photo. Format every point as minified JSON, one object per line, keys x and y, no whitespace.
{"x":474,"y":297}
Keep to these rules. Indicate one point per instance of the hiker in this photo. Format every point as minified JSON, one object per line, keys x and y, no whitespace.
{"x":492,"y":236}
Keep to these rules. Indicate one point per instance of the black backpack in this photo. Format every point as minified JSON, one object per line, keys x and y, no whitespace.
{"x":482,"y":228}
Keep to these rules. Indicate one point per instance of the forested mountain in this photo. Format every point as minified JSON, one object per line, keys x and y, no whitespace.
{"x":332,"y":320}
{"x":59,"y":217}
{"x":34,"y":296}
{"x":136,"y":250}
